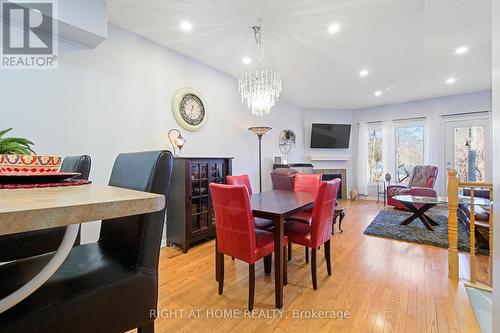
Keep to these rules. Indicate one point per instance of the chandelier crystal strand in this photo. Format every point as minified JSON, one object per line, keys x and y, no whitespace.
{"x":260,"y":89}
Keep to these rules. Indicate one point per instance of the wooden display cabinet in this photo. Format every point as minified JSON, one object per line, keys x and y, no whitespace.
{"x":190,"y":216}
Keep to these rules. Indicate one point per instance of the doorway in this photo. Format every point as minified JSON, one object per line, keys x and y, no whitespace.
{"x":467,"y":148}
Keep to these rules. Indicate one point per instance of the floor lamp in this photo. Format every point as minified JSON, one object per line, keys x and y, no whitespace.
{"x":260,"y":131}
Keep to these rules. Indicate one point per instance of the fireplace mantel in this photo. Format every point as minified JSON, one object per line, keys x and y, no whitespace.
{"x":330,"y":157}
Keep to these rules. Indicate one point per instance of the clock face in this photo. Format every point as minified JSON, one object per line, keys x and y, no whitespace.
{"x":192,"y":110}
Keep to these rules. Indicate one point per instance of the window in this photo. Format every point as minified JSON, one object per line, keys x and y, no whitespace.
{"x":409,"y":148}
{"x":375,"y":166}
{"x":469,"y":153}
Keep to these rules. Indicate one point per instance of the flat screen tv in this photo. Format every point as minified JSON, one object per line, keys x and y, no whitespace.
{"x":330,"y":135}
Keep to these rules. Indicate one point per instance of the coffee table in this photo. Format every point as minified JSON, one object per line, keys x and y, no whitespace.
{"x":419,"y":205}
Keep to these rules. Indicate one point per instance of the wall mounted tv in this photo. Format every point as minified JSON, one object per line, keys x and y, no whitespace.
{"x":330,"y":135}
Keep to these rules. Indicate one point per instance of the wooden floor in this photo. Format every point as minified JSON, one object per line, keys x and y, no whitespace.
{"x":378,"y":285}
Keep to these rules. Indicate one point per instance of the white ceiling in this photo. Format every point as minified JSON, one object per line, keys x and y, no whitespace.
{"x":408,"y":45}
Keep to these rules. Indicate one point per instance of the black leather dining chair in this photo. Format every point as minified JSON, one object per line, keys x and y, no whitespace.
{"x":33,"y":243}
{"x":108,"y":286}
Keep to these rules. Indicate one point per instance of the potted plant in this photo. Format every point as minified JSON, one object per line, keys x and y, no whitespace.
{"x":17,"y":156}
{"x":289,"y":134}
{"x":15,"y":146}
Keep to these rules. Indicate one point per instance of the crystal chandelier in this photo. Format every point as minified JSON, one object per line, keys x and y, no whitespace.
{"x":261,"y":88}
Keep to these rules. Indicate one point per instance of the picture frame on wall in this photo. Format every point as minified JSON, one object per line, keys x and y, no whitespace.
{"x":278,"y":160}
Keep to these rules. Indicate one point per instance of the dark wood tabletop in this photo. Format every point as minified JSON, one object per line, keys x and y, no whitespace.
{"x":274,"y":203}
{"x":277,"y":206}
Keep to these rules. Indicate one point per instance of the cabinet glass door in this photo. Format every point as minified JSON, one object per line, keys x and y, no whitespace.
{"x":218,"y":173}
{"x":200,"y":211}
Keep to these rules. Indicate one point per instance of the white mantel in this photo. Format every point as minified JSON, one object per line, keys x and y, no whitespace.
{"x":330,"y":157}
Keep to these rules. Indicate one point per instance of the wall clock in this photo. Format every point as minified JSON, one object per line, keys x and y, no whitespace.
{"x":190,"y":109}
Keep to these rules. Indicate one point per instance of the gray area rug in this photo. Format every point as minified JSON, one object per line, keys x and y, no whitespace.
{"x":387,"y":224}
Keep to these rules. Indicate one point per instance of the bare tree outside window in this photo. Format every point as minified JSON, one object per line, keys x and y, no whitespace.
{"x":375,"y":165}
{"x":409,"y":148}
{"x":469,"y":153}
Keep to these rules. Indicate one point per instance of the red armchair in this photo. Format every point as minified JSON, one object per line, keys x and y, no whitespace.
{"x":236,"y":235}
{"x":421,"y":183}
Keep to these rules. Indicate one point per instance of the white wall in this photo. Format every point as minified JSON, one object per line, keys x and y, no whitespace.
{"x":495,"y":10}
{"x":432,"y":109}
{"x":117,"y":98}
{"x":479,"y":101}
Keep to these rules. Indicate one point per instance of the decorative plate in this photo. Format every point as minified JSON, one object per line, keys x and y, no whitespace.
{"x":36,"y":178}
{"x":29,"y":164}
{"x":190,"y":109}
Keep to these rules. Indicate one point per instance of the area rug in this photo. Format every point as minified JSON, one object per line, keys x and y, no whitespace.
{"x":387,"y":224}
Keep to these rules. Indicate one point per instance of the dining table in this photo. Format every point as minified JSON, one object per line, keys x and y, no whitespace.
{"x":277,"y":206}
{"x":23,"y":210}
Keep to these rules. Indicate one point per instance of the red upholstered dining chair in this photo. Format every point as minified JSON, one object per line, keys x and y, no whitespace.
{"x":240,"y":180}
{"x":304,"y":183}
{"x":244,"y":180}
{"x":236,"y":235}
{"x":421,"y":183}
{"x":319,"y":232}
{"x":307,"y":182}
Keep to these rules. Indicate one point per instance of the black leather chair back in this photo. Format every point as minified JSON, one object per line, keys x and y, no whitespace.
{"x":133,"y":236}
{"x":103,"y":287}
{"x":80,"y":164}
{"x":28,"y":244}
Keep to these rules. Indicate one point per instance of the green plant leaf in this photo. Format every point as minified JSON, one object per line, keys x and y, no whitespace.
{"x":2,"y":132}
{"x":15,"y":145}
{"x":21,"y":141}
{"x":13,"y":148}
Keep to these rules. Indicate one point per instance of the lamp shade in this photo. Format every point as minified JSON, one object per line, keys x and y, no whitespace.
{"x":259,"y":130}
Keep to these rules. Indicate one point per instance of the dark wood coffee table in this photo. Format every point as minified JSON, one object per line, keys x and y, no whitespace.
{"x":419,"y":205}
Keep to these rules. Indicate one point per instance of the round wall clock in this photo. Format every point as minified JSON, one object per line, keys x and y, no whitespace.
{"x":190,"y":109}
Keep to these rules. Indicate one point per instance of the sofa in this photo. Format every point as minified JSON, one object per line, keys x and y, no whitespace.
{"x":482,"y":216}
{"x":421,"y":183}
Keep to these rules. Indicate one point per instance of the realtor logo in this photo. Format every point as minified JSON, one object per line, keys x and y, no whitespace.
{"x":28,"y":35}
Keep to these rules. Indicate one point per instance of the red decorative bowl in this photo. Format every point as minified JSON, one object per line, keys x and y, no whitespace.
{"x":29,"y":164}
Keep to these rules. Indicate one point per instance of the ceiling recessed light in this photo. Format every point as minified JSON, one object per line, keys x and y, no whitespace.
{"x":451,"y":80}
{"x":378,"y":93}
{"x":461,"y":50}
{"x":364,"y":73}
{"x":186,"y":26}
{"x":334,"y":28}
{"x":246,"y":60}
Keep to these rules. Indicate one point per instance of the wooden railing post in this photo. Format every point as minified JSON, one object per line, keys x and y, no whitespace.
{"x":491,"y":237}
{"x":472,"y":238}
{"x":452,"y":224}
